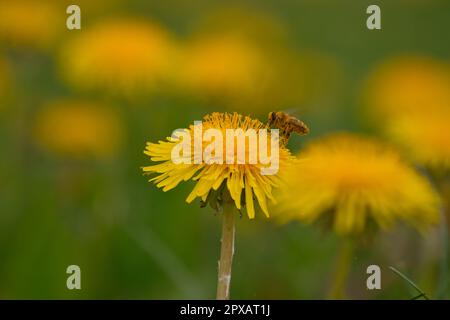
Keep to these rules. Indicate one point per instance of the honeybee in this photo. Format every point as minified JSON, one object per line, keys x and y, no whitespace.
{"x":287,"y":124}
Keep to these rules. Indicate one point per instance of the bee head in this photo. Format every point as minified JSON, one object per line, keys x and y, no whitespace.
{"x":272,"y":116}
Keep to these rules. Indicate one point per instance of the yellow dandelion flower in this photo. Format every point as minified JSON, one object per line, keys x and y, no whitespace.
{"x":222,"y":66}
{"x":411,"y":97}
{"x":244,"y":182}
{"x":237,"y":71}
{"x":226,"y":185}
{"x":120,"y":56}
{"x":78,"y":128}
{"x":227,"y":60}
{"x":349,"y":181}
{"x":424,"y":138}
{"x":409,"y":84}
{"x":31,"y":23}
{"x":242,"y":59}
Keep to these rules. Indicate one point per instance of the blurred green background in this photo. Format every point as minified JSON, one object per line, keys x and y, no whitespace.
{"x":72,"y":191}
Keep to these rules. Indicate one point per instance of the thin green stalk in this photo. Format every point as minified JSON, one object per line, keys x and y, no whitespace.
{"x":343,"y":266}
{"x":226,"y":251}
{"x":420,"y":291}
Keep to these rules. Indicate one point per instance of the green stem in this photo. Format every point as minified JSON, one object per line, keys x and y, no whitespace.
{"x":226,"y":251}
{"x":401,"y":275}
{"x":343,"y":265}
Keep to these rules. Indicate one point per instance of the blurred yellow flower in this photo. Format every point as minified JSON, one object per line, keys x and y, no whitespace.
{"x":213,"y":178}
{"x":246,"y":62}
{"x":78,"y":128}
{"x":349,"y":182}
{"x":124,"y":56}
{"x":239,"y":73}
{"x":409,"y":84}
{"x":31,"y":23}
{"x":223,"y":66}
{"x":410,"y":97}
{"x":242,"y":59}
{"x":425,"y":138}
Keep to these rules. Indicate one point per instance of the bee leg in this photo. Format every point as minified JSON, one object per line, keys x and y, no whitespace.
{"x":285,"y":134}
{"x":288,"y":135}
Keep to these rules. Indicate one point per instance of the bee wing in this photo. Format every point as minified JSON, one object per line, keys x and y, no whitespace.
{"x":291,"y":111}
{"x":295,"y":111}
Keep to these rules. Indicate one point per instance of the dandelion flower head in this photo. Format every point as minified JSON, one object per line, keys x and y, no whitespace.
{"x":410,"y":98}
{"x":244,"y":182}
{"x":78,"y":128}
{"x":120,"y":56}
{"x":409,"y":84}
{"x":224,"y":66}
{"x":30,"y":23}
{"x":425,"y":138}
{"x":351,"y":182}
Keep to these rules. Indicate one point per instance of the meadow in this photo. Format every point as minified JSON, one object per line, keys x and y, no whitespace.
{"x":79,"y":107}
